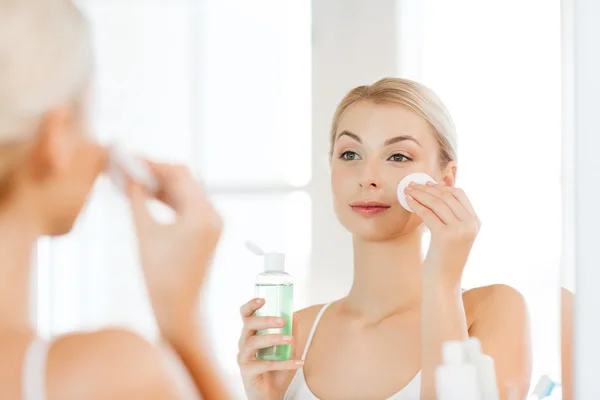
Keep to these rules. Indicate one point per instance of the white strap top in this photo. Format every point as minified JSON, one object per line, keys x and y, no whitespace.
{"x":299,"y":390}
{"x":34,"y":372}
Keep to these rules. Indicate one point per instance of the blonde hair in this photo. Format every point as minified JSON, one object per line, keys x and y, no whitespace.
{"x":413,"y":96}
{"x":45,"y":61}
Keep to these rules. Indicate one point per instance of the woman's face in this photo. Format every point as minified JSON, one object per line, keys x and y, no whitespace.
{"x":375,"y":147}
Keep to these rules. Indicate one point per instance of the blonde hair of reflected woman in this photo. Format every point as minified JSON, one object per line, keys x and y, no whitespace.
{"x":412,"y":95}
{"x":45,"y":61}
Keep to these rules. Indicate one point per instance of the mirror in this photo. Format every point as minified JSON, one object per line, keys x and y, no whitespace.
{"x":242,"y":87}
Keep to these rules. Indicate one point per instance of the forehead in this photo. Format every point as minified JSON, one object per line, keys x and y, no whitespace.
{"x":382,"y":121}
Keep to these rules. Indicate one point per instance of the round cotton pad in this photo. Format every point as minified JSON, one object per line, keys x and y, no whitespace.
{"x":122,"y":165}
{"x":418,"y":177}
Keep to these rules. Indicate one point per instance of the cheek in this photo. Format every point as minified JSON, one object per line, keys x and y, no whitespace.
{"x":430,"y":165}
{"x":342,"y":181}
{"x":336,"y":179}
{"x":393,"y":176}
{"x":89,"y":163}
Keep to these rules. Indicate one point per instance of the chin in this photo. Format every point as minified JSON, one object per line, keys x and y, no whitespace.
{"x":379,"y":228}
{"x":373,"y":235}
{"x":60,"y":230}
{"x":61,"y":226}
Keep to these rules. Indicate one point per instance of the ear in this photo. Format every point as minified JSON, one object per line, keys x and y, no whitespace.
{"x":449,"y":174}
{"x":52,"y":152}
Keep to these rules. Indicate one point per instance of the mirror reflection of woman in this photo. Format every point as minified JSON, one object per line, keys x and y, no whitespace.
{"x":383,"y":340}
{"x":48,"y":165}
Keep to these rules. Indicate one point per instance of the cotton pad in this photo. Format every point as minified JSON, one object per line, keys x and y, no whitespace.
{"x":418,"y":177}
{"x":122,"y":165}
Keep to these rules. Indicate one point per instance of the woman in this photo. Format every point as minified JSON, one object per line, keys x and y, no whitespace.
{"x":47,"y":168}
{"x":384,"y":339}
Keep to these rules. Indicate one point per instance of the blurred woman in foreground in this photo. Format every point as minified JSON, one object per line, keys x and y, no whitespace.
{"x":48,"y":165}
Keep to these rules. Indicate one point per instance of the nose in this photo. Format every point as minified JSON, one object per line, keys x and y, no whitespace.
{"x":371,"y":177}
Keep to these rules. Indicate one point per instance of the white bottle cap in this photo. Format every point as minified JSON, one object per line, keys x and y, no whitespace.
{"x":275,"y":262}
{"x":453,"y":352}
{"x":417,"y":177}
{"x":472,"y":348}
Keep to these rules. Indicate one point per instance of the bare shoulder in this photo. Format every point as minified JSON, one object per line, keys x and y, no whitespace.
{"x":499,"y":302}
{"x":497,"y":292}
{"x":309,"y":314}
{"x":306,"y":319}
{"x":499,"y":318}
{"x":115,"y":364}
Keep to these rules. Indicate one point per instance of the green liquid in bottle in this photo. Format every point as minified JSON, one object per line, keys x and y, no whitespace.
{"x":279,"y":303}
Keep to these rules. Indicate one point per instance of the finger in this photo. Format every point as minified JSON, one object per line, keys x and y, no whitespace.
{"x":429,"y":217}
{"x":138,"y":198}
{"x":295,"y":323}
{"x":253,"y":324}
{"x":259,"y":367}
{"x":165,"y":171}
{"x":176,"y":185}
{"x":442,"y":192}
{"x":462,"y":197}
{"x":250,"y":307}
{"x":434,"y":204}
{"x":246,"y":311}
{"x":257,"y":342}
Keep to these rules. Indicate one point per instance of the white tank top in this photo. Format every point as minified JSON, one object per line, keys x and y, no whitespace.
{"x":34,"y":372}
{"x":299,"y":390}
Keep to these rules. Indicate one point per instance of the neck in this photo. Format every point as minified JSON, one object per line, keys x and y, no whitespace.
{"x":387,"y":277}
{"x":18,"y":236}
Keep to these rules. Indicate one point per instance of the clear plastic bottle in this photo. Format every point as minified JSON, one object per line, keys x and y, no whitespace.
{"x":456,"y":379}
{"x":486,"y":371}
{"x":277,"y":288}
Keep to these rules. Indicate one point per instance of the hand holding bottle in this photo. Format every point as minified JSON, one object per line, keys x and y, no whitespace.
{"x":265,"y":379}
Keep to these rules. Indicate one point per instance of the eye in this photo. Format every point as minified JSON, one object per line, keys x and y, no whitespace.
{"x":349,"y":156}
{"x":399,"y":158}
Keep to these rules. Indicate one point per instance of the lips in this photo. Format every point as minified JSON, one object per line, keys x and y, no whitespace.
{"x":368,"y":208}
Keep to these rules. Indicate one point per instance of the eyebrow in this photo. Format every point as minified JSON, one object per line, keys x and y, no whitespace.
{"x":388,"y":142}
{"x":350,"y":135}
